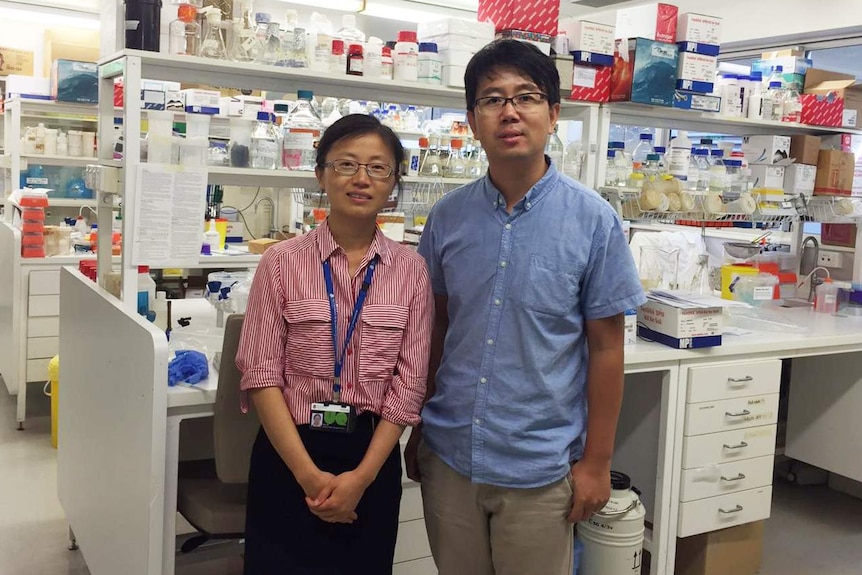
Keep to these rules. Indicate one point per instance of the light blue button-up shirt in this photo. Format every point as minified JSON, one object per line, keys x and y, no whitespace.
{"x":510,"y":405}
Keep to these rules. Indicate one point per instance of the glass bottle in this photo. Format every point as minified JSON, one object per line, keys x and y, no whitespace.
{"x":258,"y":47}
{"x":611,"y":168}
{"x":240,"y":35}
{"x":554,"y":149}
{"x":475,"y":167}
{"x":212,"y":45}
{"x":265,"y":143}
{"x":298,"y":56}
{"x":272,"y":45}
{"x":717,"y":171}
{"x":431,"y":165}
{"x":457,"y":166}
{"x":444,"y":149}
{"x":185,"y":32}
{"x":643,"y":148}
{"x":301,"y":132}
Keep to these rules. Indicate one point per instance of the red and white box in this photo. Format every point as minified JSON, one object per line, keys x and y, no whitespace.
{"x":539,"y":16}
{"x":591,"y":83}
{"x":655,"y":21}
{"x":822,"y":110}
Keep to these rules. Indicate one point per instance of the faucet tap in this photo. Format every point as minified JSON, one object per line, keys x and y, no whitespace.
{"x":272,"y":229}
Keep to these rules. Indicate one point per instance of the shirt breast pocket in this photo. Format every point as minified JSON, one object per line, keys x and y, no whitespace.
{"x":551,"y":288}
{"x":309,"y":338}
{"x":382,"y":333}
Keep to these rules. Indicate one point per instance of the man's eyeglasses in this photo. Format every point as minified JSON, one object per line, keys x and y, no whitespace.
{"x":376,"y":170}
{"x":526,"y":102}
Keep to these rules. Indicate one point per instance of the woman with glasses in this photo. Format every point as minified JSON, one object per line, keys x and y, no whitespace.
{"x":337,"y":333}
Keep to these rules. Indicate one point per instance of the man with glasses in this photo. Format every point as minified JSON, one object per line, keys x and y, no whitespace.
{"x":531,"y":275}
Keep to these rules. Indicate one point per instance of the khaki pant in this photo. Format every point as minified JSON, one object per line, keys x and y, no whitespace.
{"x":479,"y":529}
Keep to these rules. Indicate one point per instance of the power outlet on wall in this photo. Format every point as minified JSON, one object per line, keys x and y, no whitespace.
{"x":830,"y":259}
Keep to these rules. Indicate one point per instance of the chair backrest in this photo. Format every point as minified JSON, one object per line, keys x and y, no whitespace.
{"x":233,"y":431}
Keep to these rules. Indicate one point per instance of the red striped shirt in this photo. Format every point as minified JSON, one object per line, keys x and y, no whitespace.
{"x":287,"y":339}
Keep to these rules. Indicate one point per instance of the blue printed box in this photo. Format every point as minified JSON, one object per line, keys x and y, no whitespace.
{"x":699,"y":48}
{"x":644,"y":71}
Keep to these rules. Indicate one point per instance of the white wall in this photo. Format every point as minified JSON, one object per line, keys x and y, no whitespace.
{"x":760,"y":22}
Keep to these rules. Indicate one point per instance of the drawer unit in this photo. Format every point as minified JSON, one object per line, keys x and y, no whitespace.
{"x":715,"y":448}
{"x":45,"y":282}
{"x":43,"y":305}
{"x":412,"y":541}
{"x":43,"y":326}
{"x":715,"y":513}
{"x":411,"y":503}
{"x":715,"y":480}
{"x":37,"y":369}
{"x":424,"y":566}
{"x":42,"y":347}
{"x":738,"y":413}
{"x":717,"y":382}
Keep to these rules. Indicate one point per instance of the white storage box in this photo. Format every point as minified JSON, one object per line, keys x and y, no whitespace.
{"x":202,"y":101}
{"x":680,"y":327}
{"x":699,"y":28}
{"x":697,"y":67}
{"x":766,"y":149}
{"x":455,"y":57}
{"x":768,"y":176}
{"x":799,"y":179}
{"x":460,"y":26}
{"x":458,"y":42}
{"x":589,"y":36}
{"x":453,"y":76}
{"x":28,"y":87}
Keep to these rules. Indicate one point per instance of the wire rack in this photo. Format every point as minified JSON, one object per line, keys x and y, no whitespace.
{"x":834,"y":210}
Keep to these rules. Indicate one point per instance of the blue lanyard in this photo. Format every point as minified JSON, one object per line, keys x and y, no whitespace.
{"x":357,"y":308}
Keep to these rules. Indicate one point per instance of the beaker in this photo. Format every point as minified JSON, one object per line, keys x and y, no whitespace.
{"x":658,"y":268}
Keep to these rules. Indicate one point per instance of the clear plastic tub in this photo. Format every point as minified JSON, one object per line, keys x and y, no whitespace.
{"x":756,"y":290}
{"x":160,"y":136}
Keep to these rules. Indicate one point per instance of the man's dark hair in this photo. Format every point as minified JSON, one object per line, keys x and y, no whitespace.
{"x":521,"y":56}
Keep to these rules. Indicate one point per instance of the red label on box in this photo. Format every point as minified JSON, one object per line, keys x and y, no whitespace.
{"x":533,"y":15}
{"x":666,"y":21}
{"x":820,"y":110}
{"x":591,"y":84}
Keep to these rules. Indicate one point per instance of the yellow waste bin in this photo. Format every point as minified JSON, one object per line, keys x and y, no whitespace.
{"x":54,"y":382}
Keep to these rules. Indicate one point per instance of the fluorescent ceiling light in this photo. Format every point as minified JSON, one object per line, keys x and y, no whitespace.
{"x":342,"y":5}
{"x":411,"y":11}
{"x":51,"y":18}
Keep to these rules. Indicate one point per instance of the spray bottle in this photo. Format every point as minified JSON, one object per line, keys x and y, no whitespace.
{"x":213,"y":42}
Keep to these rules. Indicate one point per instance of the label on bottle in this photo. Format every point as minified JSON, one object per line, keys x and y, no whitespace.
{"x":264,"y":152}
{"x":406,"y":65}
{"x":763,"y":293}
{"x":299,"y":143}
{"x":355,"y":65}
{"x":36,"y":181}
{"x":679,"y":161}
{"x":430,"y":71}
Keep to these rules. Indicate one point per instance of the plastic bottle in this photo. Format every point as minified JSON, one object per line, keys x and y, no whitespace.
{"x":387,"y":69}
{"x":680,"y":155}
{"x":555,"y":150}
{"x":643,"y":149}
{"x":777,"y":75}
{"x":775,"y":95}
{"x":406,"y":57}
{"x":730,"y":102}
{"x":160,"y":309}
{"x":373,"y":56}
{"x":411,"y":119}
{"x":265,"y":144}
{"x":662,"y":158}
{"x":792,"y":109}
{"x":349,"y":32}
{"x":700,"y":158}
{"x":611,"y":168}
{"x":430,"y":64}
{"x":146,"y":291}
{"x":212,"y":239}
{"x":213,"y":45}
{"x":355,"y":60}
{"x":62,"y":144}
{"x":320,"y":42}
{"x":338,"y":59}
{"x":826,"y":297}
{"x":301,"y":133}
{"x":298,"y":56}
{"x":185,"y":32}
{"x":717,"y":171}
{"x":622,"y":162}
{"x":651,"y":168}
{"x":755,"y":100}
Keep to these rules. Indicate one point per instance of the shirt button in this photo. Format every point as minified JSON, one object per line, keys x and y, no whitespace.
{"x":483,"y":380}
{"x":498,"y":301}
{"x":490,"y":342}
{"x":477,"y":421}
{"x":529,"y":205}
{"x":508,"y":226}
{"x":502,"y":264}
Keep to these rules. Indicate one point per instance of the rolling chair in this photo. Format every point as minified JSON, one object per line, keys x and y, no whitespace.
{"x":212,"y":496}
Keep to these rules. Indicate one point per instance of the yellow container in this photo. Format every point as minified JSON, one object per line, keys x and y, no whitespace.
{"x":54,"y":382}
{"x":730,"y":273}
{"x":221,"y":228}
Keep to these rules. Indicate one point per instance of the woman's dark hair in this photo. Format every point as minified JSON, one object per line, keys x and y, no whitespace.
{"x":355,"y":126}
{"x":521,"y":56}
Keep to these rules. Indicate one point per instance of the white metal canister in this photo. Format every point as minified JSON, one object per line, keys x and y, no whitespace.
{"x":613,"y":537}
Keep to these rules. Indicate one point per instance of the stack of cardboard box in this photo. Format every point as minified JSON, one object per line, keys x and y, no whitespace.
{"x":591,"y":49}
{"x":698,"y":37}
{"x":533,"y":21}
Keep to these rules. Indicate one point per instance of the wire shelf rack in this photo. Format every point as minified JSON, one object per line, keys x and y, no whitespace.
{"x":834,"y":210}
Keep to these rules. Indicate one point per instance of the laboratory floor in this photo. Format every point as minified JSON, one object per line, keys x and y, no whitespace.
{"x":812,"y":529}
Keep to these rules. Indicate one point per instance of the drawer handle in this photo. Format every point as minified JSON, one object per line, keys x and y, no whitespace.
{"x":742,"y":413}
{"x":739,"y":477}
{"x":737,"y":380}
{"x":736,"y":509}
{"x":740,"y":445}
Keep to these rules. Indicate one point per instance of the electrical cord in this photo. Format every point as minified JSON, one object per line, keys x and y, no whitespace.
{"x":241,"y":215}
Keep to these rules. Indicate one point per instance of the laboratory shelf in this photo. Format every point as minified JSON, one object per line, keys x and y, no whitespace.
{"x":67,"y":161}
{"x":71,"y":202}
{"x":55,"y":110}
{"x":634,"y":114}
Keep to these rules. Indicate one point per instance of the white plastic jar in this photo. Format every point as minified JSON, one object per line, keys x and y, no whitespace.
{"x":405,"y":58}
{"x":430,"y":64}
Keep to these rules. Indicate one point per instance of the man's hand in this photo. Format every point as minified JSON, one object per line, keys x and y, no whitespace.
{"x":592,"y":486}
{"x":411,"y":454}
{"x":337,"y":502}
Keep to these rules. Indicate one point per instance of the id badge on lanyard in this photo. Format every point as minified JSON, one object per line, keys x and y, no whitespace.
{"x":334,"y":415}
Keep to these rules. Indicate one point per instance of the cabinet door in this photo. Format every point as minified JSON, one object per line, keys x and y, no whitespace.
{"x":43,"y":305}
{"x":39,"y":347}
{"x":45,"y":282}
{"x":726,"y":381}
{"x":725,"y":511}
{"x":715,"y":448}
{"x":43,"y":326}
{"x":715,"y":480}
{"x":37,"y":370}
{"x":739,"y":413}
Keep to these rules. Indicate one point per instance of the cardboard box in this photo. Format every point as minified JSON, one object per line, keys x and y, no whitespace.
{"x":590,"y":84}
{"x":789,"y":65}
{"x":152,"y":99}
{"x":540,"y":41}
{"x":698,"y":28}
{"x":852,"y":107}
{"x":681,"y":323}
{"x":539,"y":16}
{"x":696,"y":72}
{"x":767,"y":176}
{"x":644,"y":71}
{"x":785,"y":53}
{"x":631,"y":327}
{"x":694,"y":101}
{"x":73,"y":81}
{"x":766,"y":149}
{"x":589,"y":42}
{"x":820,"y":110}
{"x":799,"y":179}
{"x":732,"y":551}
{"x":805,"y":149}
{"x":260,"y":245}
{"x":834,"y":173}
{"x":697,"y":48}
{"x":654,"y":21}
{"x":20,"y":62}
{"x":202,"y":101}
{"x":28,"y":87}
{"x":460,"y":26}
{"x":564,"y":69}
